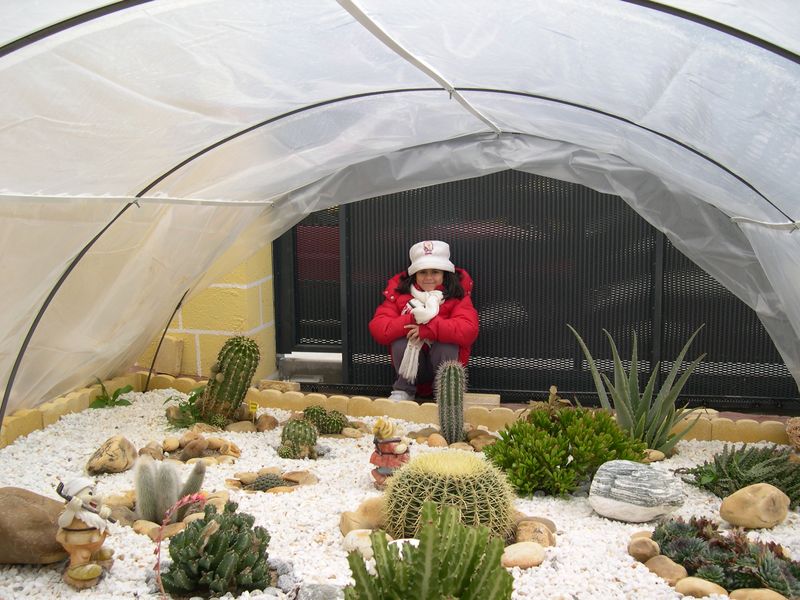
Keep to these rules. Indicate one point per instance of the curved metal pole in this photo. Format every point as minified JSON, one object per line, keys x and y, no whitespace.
{"x":47,"y":302}
{"x":163,"y":335}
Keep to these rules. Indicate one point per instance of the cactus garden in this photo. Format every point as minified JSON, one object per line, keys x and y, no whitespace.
{"x":296,"y":510}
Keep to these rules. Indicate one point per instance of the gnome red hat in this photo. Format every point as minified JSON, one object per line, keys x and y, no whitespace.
{"x":430,"y":254}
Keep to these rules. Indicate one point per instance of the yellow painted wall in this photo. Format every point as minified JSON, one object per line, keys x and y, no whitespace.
{"x":241,"y":303}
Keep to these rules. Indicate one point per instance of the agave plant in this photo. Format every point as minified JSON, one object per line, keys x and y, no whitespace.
{"x":645,"y":416}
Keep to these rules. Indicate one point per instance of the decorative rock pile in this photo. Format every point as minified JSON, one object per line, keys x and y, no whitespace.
{"x":477,"y":438}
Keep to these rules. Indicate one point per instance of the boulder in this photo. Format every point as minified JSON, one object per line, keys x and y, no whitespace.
{"x":116,"y":455}
{"x":28,"y":527}
{"x":266,"y":423}
{"x":756,"y":594}
{"x":634,"y":492}
{"x":666,"y":568}
{"x":369,"y":515}
{"x":643,"y":549}
{"x":529,"y":530}
{"x":523,"y":555}
{"x":698,"y":588}
{"x":241,"y":427}
{"x":756,"y":506}
{"x":436,"y":440}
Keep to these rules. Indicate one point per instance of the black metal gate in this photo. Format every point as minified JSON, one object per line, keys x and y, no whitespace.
{"x":543,"y":253}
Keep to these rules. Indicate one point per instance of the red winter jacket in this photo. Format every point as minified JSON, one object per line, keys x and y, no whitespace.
{"x":456,"y":323}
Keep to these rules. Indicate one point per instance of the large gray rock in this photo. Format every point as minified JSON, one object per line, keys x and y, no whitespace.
{"x":28,"y":527}
{"x":634,"y":492}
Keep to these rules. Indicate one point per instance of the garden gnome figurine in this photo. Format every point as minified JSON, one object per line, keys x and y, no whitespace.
{"x":390,"y":452}
{"x":83,"y":527}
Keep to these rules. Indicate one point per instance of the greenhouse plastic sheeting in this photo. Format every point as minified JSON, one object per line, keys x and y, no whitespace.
{"x":221,"y":124}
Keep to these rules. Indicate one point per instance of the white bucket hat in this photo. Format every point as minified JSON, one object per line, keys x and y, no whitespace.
{"x":430,"y":254}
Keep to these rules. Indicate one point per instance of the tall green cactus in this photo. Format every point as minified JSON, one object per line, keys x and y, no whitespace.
{"x":230,"y":378}
{"x":450,"y":385}
{"x":219,"y":553}
{"x":451,"y":561}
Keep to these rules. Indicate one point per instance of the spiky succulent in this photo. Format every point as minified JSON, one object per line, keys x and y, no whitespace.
{"x":450,"y":385}
{"x":267,"y":482}
{"x":299,"y":433}
{"x":230,"y":378}
{"x":326,"y":421}
{"x":219,"y":553}
{"x":451,"y":561}
{"x":736,"y":468}
{"x":447,"y":478}
{"x":730,"y":560}
{"x":158,"y":487}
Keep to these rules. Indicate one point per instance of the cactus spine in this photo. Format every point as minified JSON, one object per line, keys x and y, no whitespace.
{"x":451,"y":477}
{"x":451,"y":561}
{"x":220,"y":553}
{"x":450,"y":385}
{"x":298,"y":440}
{"x":158,"y":487}
{"x":230,"y":378}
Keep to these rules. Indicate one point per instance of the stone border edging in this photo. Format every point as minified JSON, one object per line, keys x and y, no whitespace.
{"x":22,"y":422}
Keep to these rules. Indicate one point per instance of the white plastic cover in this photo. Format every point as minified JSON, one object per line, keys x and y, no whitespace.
{"x":233,"y":119}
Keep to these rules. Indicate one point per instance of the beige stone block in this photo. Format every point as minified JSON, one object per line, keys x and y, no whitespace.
{"x":186,"y":384}
{"x":294,"y":401}
{"x":476,"y":399}
{"x":477,"y":415}
{"x":397,"y":410}
{"x":774,"y":431}
{"x":281,"y":386}
{"x":337,"y":402}
{"x":52,"y":411}
{"x":315,"y":399}
{"x":499,"y":418}
{"x":428,"y":413}
{"x":724,"y":429}
{"x":748,"y":430}
{"x":253,"y":396}
{"x":170,"y":356}
{"x":84,"y":398}
{"x":701,"y":430}
{"x":270,"y":398}
{"x":160,"y":382}
{"x":22,"y":422}
{"x":359,"y":406}
{"x":138,"y":380}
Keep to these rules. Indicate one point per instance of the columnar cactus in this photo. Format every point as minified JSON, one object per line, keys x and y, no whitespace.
{"x":230,"y":378}
{"x":451,"y":477}
{"x":450,"y":385}
{"x":220,"y":553}
{"x":158,"y":487}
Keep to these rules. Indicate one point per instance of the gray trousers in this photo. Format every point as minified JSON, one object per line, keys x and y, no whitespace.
{"x":429,"y":360}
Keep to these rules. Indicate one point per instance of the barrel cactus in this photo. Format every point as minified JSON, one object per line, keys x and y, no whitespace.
{"x":451,"y":477}
{"x":219,"y":553}
{"x":450,"y":385}
{"x":266,"y":482}
{"x":229,"y":379}
{"x":298,"y":440}
{"x":326,"y":421}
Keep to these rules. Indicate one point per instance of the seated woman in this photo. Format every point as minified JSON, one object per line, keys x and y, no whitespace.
{"x":426,"y":318}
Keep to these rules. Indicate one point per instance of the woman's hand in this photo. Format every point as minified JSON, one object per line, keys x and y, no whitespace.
{"x":413,"y":332}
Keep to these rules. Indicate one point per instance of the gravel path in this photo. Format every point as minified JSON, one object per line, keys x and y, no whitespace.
{"x":589,"y":560}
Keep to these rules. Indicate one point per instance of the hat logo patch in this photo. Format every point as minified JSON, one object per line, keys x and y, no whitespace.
{"x":427,"y":247}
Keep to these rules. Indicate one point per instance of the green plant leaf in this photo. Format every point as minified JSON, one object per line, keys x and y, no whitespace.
{"x":598,"y":382}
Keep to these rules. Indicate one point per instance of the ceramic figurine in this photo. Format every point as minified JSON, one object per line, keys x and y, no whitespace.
{"x":390,"y":453}
{"x":83,"y":527}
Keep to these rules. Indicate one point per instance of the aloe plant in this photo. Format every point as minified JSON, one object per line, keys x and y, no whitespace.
{"x":645,"y":416}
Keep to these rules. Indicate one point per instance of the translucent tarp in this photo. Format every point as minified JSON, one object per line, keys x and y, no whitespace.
{"x":234,"y":119}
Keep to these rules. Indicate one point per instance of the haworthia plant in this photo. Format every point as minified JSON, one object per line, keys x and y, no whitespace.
{"x":450,"y":385}
{"x":230,"y":378}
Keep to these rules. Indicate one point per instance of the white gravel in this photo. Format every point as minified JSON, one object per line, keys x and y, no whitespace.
{"x":589,"y":561}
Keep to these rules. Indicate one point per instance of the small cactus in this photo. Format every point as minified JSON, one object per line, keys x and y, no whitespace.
{"x":299,"y":433}
{"x":219,"y":553}
{"x":158,"y":487}
{"x":325,"y":421}
{"x":450,"y":385}
{"x":230,"y":378}
{"x":267,"y":482}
